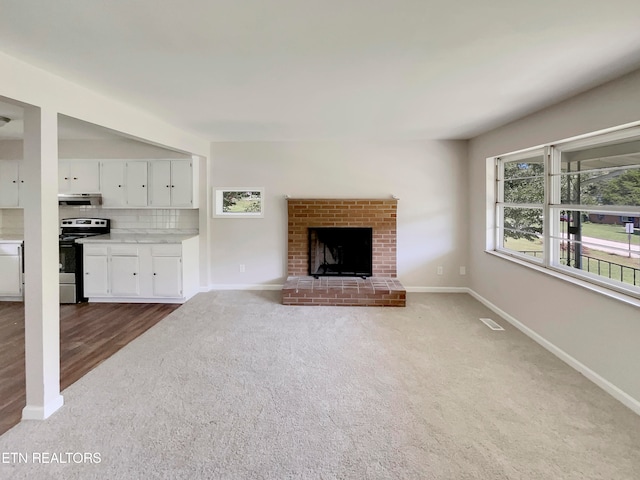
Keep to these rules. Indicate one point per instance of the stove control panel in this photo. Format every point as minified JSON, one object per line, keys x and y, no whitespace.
{"x":86,"y":222}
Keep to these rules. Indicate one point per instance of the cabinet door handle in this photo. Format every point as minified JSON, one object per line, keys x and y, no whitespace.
{"x":119,"y":186}
{"x":154,"y":274}
{"x":75,"y":178}
{"x":173,"y":186}
{"x":143,"y":186}
{"x":14,"y":181}
{"x":134,"y":273}
{"x":167,"y":186}
{"x":66,"y":178}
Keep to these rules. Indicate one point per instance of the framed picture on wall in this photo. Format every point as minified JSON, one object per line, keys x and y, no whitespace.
{"x":239,"y":202}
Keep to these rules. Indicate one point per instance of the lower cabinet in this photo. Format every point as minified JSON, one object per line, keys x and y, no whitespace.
{"x":136,"y":272}
{"x":11,"y":271}
{"x":125,"y":275}
{"x":167,"y":276}
{"x":96,"y":272}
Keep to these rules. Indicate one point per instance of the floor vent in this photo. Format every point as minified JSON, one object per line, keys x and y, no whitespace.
{"x":491,"y":324}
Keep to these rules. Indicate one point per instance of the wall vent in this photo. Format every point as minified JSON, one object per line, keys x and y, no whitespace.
{"x":491,"y":324}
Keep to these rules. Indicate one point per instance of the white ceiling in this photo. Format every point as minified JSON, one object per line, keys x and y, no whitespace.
{"x":327,"y":69}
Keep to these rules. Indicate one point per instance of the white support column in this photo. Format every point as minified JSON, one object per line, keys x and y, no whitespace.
{"x":204,"y":220}
{"x":42,"y":309}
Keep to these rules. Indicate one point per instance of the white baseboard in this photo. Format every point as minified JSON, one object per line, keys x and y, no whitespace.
{"x":136,"y":300}
{"x":606,"y":385}
{"x":248,"y":286}
{"x":11,"y":299}
{"x":33,"y":412}
{"x":437,"y":289}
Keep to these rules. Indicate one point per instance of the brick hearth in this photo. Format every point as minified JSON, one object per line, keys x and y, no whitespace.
{"x":345,"y":291}
{"x":383,"y":289}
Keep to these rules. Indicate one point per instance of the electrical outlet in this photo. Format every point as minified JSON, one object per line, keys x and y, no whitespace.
{"x":463,"y":270}
{"x":440,"y":270}
{"x":242,"y":268}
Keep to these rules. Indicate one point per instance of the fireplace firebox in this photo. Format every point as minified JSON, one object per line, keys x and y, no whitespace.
{"x":340,"y":251}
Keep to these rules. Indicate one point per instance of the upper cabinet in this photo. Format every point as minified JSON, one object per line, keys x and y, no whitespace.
{"x":79,"y":176}
{"x":172,"y":184}
{"x":124,"y":183}
{"x":149,"y":183}
{"x":10,"y":183}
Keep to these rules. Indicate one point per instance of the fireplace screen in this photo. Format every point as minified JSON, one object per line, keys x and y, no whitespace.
{"x":340,"y":251}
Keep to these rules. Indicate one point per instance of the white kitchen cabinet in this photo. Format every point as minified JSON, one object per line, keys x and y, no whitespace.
{"x":112,"y":184}
{"x":125,"y":276}
{"x":137,"y":183}
{"x":149,"y":183}
{"x":10,"y":183}
{"x":11,"y":268}
{"x":123,"y":183}
{"x":141,"y":272}
{"x":79,"y":176}
{"x":167,"y":276}
{"x":96,"y":272}
{"x":172,"y":183}
{"x":160,"y":176}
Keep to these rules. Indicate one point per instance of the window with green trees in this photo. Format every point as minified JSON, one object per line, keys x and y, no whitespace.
{"x":574,"y":207}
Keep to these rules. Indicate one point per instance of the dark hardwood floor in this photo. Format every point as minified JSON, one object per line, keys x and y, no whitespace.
{"x":89,"y":334}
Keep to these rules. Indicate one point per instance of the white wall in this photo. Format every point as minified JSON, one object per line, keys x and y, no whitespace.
{"x":98,"y":149}
{"x":428,"y":177}
{"x":597,"y":331}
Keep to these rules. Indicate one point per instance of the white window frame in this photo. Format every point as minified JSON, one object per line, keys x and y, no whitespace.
{"x":552,"y":207}
{"x":500,"y":204}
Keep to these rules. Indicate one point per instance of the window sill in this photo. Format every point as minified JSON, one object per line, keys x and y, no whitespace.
{"x":568,"y":278}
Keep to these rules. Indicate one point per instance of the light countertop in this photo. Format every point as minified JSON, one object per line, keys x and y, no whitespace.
{"x":129,"y":237}
{"x":11,"y":238}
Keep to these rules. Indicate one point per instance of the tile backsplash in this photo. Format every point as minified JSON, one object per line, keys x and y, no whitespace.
{"x":143,"y":219}
{"x":12,"y":220}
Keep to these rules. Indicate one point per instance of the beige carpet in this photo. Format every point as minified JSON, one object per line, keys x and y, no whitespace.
{"x":235,"y":386}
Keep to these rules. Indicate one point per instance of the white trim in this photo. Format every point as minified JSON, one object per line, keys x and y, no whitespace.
{"x":606,"y":385}
{"x":33,"y":412}
{"x":437,"y":289}
{"x":525,"y":154}
{"x":245,"y":286}
{"x":137,"y":300}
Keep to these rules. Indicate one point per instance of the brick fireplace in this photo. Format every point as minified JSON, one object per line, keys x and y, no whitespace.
{"x":381,"y":289}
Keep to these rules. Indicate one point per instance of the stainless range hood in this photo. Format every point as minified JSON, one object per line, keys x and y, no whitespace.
{"x":79,"y":199}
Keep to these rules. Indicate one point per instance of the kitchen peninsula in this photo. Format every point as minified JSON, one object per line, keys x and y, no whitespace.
{"x":136,"y":267}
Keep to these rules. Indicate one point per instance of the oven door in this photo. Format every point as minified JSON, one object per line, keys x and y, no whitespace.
{"x":68,"y":271}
